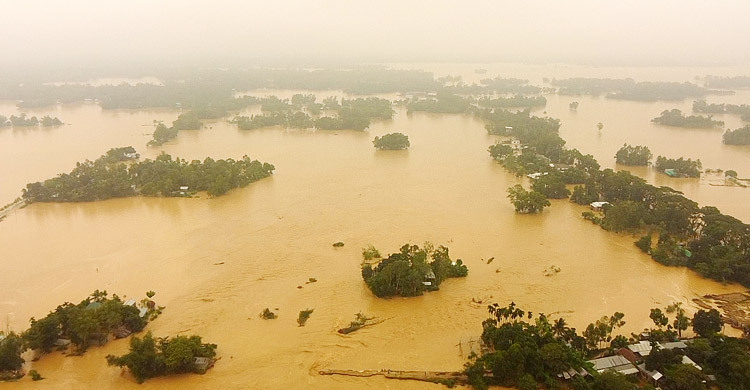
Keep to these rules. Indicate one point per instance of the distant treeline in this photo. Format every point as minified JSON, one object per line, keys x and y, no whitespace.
{"x":303,"y":112}
{"x":743,"y":110}
{"x":739,"y":136}
{"x":629,"y":89}
{"x":24,"y":121}
{"x":728,"y":82}
{"x":164,"y":176}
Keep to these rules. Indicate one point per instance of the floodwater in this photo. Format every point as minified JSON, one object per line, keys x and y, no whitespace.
{"x":217,"y":263}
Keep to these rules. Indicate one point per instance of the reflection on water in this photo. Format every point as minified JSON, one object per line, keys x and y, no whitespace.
{"x":333,"y":186}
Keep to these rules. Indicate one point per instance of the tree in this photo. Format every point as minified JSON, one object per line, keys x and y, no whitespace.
{"x":624,"y":215}
{"x":684,"y":377}
{"x":573,"y":106}
{"x":11,"y":348}
{"x":600,"y":126}
{"x":393,"y":141}
{"x":609,"y":380}
{"x":633,"y":155}
{"x":707,"y":323}
{"x":551,"y":186}
{"x":660,"y":320}
{"x":304,"y":315}
{"x":681,"y":321}
{"x":527,"y":202}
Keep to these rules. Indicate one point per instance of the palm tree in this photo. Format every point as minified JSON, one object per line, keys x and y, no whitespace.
{"x":560,"y":328}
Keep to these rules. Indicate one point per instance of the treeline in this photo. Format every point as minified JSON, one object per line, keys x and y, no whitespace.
{"x":514,"y":101}
{"x":524,"y":351}
{"x":679,"y":167}
{"x":23,"y":120}
{"x":743,"y":110}
{"x":629,"y":89}
{"x":412,"y":271}
{"x":739,"y":136}
{"x":676,"y":118}
{"x":164,"y":176}
{"x":347,"y":114}
{"x":206,"y":88}
{"x":633,"y":155}
{"x":703,"y":239}
{"x":727,"y":82}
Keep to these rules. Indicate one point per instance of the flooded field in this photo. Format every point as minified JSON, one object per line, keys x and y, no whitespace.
{"x":216,"y":263}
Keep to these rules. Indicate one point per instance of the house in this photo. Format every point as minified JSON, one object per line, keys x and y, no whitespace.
{"x":598,"y":206}
{"x":641,"y":349}
{"x":671,"y":172}
{"x":562,"y":167}
{"x":203,"y":363}
{"x":615,"y":363}
{"x":132,"y":156}
{"x":515,"y":144}
{"x":142,"y":312}
{"x":184,"y":189}
{"x":129,"y":302}
{"x":508,"y":129}
{"x":429,"y":278}
{"x":652,"y":376}
{"x":536,"y":175}
{"x":121,"y":332}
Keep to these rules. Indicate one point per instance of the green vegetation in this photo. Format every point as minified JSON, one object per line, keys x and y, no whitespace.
{"x":162,"y":134}
{"x":552,"y":186}
{"x":411,"y":271}
{"x":444,"y":102}
{"x":89,"y":321}
{"x":739,"y":136}
{"x":728,"y":82}
{"x":35,"y":376}
{"x":99,"y":180}
{"x":48,"y":121}
{"x":187,"y":121}
{"x":393,"y":141}
{"x":679,"y":167}
{"x":23,"y":121}
{"x":743,"y":110}
{"x":116,"y":155}
{"x":676,"y":118}
{"x":520,"y":352}
{"x":4,"y":121}
{"x":267,"y":314}
{"x":633,"y":155}
{"x":515,"y":101}
{"x":509,"y":85}
{"x":304,"y":315}
{"x":628,"y":89}
{"x":151,"y":357}
{"x":370,"y":253}
{"x":527,"y":202}
{"x":11,"y":347}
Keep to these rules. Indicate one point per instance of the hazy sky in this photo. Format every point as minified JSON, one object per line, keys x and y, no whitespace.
{"x":167,"y":32}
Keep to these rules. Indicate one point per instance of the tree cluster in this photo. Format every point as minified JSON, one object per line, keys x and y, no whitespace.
{"x":393,"y":141}
{"x":739,"y":136}
{"x":682,"y":167}
{"x":676,"y":118}
{"x":99,"y":179}
{"x":633,"y":155}
{"x":150,"y":357}
{"x":411,"y":271}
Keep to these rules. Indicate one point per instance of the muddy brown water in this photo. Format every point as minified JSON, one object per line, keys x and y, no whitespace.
{"x":333,"y":186}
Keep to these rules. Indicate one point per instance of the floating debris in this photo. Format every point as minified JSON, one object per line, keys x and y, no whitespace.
{"x":359,"y":322}
{"x":490,"y":259}
{"x":552,"y":270}
{"x":267,"y":314}
{"x":311,"y":280}
{"x":338,"y":244}
{"x":304,"y":315}
{"x":219,"y":263}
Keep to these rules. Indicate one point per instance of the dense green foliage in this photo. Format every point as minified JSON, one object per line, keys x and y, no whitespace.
{"x":519,"y":348}
{"x":551,"y":186}
{"x":92,"y":319}
{"x":187,"y":121}
{"x":393,"y":141}
{"x":681,"y":167}
{"x":303,"y":316}
{"x":739,"y":136}
{"x":527,"y":202}
{"x":115,"y":155}
{"x":11,"y":347}
{"x":162,"y":134}
{"x":411,"y":271}
{"x":707,"y":323}
{"x":633,"y":155}
{"x":151,"y":357}
{"x":676,"y":118}
{"x":99,"y":180}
